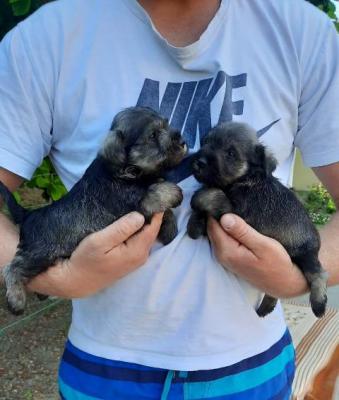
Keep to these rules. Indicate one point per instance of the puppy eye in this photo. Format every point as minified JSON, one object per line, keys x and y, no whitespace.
{"x":154,"y":135}
{"x":231,"y":153}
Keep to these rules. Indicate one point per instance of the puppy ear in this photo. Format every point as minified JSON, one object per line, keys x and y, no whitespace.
{"x":264,"y":159}
{"x":203,"y":140}
{"x":271,"y":162}
{"x":113,"y":149}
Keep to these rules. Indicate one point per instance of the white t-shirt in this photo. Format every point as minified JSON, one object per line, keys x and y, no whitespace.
{"x":69,"y":68}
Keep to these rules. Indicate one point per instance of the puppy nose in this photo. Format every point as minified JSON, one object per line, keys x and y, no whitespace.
{"x":176,"y":135}
{"x":201,"y":162}
{"x":182,"y":142}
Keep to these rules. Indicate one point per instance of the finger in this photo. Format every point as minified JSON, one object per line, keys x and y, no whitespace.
{"x":118,"y":232}
{"x":218,"y":235}
{"x":147,"y":236}
{"x":240,"y":231}
{"x":225,"y":246}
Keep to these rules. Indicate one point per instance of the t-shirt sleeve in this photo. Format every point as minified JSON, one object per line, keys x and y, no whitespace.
{"x":25,"y":101}
{"x":318,"y":123}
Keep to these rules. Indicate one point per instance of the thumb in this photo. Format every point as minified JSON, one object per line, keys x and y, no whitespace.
{"x":239,"y":230}
{"x":118,"y":232}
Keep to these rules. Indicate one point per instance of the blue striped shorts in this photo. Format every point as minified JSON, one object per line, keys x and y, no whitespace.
{"x":268,"y":375}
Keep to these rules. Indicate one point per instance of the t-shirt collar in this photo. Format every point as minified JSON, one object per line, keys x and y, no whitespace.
{"x":194,"y":49}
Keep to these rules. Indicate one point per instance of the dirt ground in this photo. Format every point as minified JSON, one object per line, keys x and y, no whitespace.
{"x":30,"y":348}
{"x":31,"y":345}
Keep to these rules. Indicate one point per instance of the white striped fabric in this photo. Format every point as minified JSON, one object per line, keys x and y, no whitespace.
{"x":315,"y":341}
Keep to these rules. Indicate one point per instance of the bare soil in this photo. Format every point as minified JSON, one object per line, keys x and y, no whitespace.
{"x":30,"y":348}
{"x":31,"y":344}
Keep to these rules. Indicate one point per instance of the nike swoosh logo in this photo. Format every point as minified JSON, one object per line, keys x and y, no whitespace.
{"x":184,"y":169}
{"x":267,"y":128}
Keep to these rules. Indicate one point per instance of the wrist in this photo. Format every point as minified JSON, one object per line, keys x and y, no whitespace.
{"x":57,"y":281}
{"x":291,"y":284}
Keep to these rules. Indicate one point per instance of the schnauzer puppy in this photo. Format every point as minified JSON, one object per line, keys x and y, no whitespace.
{"x":125,"y":176}
{"x":236,"y":171}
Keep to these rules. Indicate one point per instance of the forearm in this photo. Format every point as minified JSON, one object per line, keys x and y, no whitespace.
{"x":329,"y":251}
{"x":99,"y":260}
{"x":295,"y":284}
{"x":9,"y":240}
{"x":52,"y":282}
{"x":57,"y":281}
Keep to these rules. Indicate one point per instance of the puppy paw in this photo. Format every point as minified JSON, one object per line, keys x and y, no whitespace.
{"x":160,"y":197}
{"x":196,"y":226}
{"x":318,"y":303}
{"x":319,"y":309}
{"x":16,"y":300}
{"x":171,"y":195}
{"x":211,"y":201}
{"x":168,"y":231}
{"x":15,"y":288}
{"x":41,"y":297}
{"x":267,"y":306}
{"x":318,"y":294}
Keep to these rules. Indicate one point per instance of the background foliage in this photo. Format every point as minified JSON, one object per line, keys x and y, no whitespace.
{"x":318,"y":203}
{"x":12,"y":12}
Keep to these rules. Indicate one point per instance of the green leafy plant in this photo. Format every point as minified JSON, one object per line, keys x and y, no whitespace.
{"x":319,"y":204}
{"x":20,"y":7}
{"x":329,"y":8}
{"x":46,"y":179}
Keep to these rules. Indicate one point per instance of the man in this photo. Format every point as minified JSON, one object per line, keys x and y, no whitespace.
{"x":184,"y":324}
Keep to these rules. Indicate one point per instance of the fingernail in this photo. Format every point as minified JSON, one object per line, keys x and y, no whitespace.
{"x":138,"y":219}
{"x":227,"y":221}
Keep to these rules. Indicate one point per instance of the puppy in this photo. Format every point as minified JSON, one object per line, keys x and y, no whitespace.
{"x":125,"y":176}
{"x":236,"y":171}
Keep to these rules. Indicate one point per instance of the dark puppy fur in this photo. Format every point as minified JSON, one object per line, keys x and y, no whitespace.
{"x":236,"y":171}
{"x":125,"y":176}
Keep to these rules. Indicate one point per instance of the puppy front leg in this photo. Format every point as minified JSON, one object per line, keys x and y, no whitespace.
{"x":213,"y":202}
{"x":159,"y":198}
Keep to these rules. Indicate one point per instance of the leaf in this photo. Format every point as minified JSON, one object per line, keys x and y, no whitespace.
{"x":20,"y":7}
{"x":42,"y":182}
{"x":17,"y":196}
{"x":57,"y":191}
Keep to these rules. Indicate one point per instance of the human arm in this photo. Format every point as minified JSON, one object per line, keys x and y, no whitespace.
{"x":263,"y":261}
{"x":99,"y":260}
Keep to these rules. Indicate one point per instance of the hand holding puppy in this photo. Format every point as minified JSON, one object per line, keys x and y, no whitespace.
{"x":255,"y":257}
{"x":101,"y":258}
{"x":126,"y":175}
{"x":236,"y":171}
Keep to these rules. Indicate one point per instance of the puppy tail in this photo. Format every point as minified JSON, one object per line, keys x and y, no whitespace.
{"x":17,"y":212}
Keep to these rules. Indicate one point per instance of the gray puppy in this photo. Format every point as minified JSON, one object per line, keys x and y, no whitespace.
{"x":125,"y":176}
{"x":236,"y":171}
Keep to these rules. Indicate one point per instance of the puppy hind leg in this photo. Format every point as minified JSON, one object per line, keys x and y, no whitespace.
{"x":41,"y":297}
{"x":316,"y":278}
{"x":197,"y":225}
{"x":168,"y":230}
{"x":267,"y":305}
{"x":15,"y":288}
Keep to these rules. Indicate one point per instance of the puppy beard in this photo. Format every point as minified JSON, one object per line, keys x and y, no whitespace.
{"x":232,"y":174}
{"x":148,"y":162}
